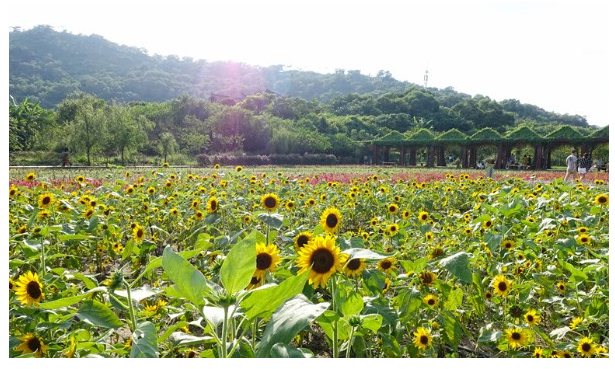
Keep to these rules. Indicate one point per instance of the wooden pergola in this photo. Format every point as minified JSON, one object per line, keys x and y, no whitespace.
{"x":408,"y":143}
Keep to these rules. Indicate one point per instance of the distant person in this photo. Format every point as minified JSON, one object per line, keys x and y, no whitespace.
{"x":571,"y":165}
{"x":66,"y":158}
{"x":585,"y":163}
{"x":598,"y":165}
{"x":526,"y":163}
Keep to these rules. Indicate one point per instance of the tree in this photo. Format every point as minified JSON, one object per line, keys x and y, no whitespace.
{"x":167,"y":144}
{"x":123,"y":132}
{"x":86,"y":129}
{"x":27,"y":121}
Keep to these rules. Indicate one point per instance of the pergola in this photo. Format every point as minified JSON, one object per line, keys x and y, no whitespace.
{"x":435,"y":145}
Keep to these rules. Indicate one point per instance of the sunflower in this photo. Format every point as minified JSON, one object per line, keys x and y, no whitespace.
{"x":561,"y":286}
{"x":532,"y":317}
{"x":11,"y":284}
{"x":392,"y":208}
{"x":392,"y":229}
{"x":270,"y":201}
{"x":355,"y":267}
{"x":30,"y":177}
{"x":586,"y":347}
{"x":508,"y":244}
{"x":387,"y":265}
{"x":138,"y":233}
{"x":423,"y":216}
{"x":29,"y":289}
{"x":322,"y":257}
{"x":32,"y":344}
{"x":431,"y":300}
{"x":487,"y":223}
{"x":584,"y":239}
{"x":602,"y":199}
{"x":45,"y":200}
{"x":575,"y":322}
{"x":302,"y":239}
{"x":151,"y":190}
{"x":289,"y":205}
{"x":429,"y":236}
{"x":330,"y":220}
{"x":501,"y":285}
{"x":199,"y":215}
{"x":267,"y":258}
{"x":427,"y":277}
{"x":537,"y":352}
{"x":516,"y":337}
{"x":238,"y":168}
{"x":13,"y":191}
{"x":422,"y":338}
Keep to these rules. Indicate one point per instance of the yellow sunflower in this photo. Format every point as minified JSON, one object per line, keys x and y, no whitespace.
{"x":392,"y":208}
{"x":322,"y":257}
{"x":30,"y":177}
{"x":423,"y":216}
{"x":302,"y":239}
{"x":422,"y":338}
{"x":586,"y":347}
{"x":331,"y":220}
{"x":501,"y":285}
{"x":138,"y":233}
{"x":431,"y":300}
{"x":561,"y":287}
{"x":267,"y":258}
{"x":387,"y":265}
{"x":532,"y":317}
{"x":392,"y":229}
{"x":355,"y":267}
{"x":602,"y":199}
{"x":508,"y":244}
{"x":13,"y":191}
{"x":584,"y":239}
{"x":516,"y":337}
{"x":427,"y":278}
{"x":270,"y":201}
{"x":32,"y":344}
{"x":45,"y":200}
{"x":29,"y":289}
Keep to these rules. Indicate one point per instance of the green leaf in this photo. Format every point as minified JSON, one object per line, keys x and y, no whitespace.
{"x":350,"y":302}
{"x":290,"y":319}
{"x":358,"y":253}
{"x":97,"y":313}
{"x":280,"y":350}
{"x":458,"y":265}
{"x":452,"y":329}
{"x":68,"y":301}
{"x":172,"y":329}
{"x":274,"y":220}
{"x":144,"y":341}
{"x":264,"y":301}
{"x":373,"y":322}
{"x":416,"y":266}
{"x":489,"y":336}
{"x":455,"y":298}
{"x":559,"y":333}
{"x":139,"y":294}
{"x":189,"y":281}
{"x":575,"y":274}
{"x":70,"y":237}
{"x":239,"y":266}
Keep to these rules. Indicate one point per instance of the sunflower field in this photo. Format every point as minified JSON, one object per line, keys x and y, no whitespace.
{"x":287,"y":263}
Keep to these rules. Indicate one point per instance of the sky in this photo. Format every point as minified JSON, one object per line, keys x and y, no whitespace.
{"x":553,"y":54}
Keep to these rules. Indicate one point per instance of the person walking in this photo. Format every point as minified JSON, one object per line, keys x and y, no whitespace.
{"x":584,"y":164}
{"x":571,"y":165}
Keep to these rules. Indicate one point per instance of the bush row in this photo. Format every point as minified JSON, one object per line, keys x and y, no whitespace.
{"x":273,"y":159}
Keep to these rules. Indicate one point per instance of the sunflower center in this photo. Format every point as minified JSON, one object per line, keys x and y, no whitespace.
{"x":323,"y":261}
{"x":502,"y":286}
{"x":302,"y":241}
{"x":424,"y":340}
{"x":270,"y":202}
{"x":431,"y":302}
{"x":34,"y":289}
{"x":263,"y":261}
{"x":354,"y":264}
{"x":386,"y":264}
{"x":46,"y":200}
{"x":331,"y":220}
{"x":516,"y":336}
{"x":602,"y":200}
{"x":530,"y":318}
{"x":34,"y":344}
{"x":426,"y":278}
{"x":586,"y":347}
{"x":139,"y":233}
{"x":214,"y":205}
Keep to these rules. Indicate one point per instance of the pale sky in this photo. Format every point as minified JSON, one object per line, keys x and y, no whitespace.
{"x":553,"y":54}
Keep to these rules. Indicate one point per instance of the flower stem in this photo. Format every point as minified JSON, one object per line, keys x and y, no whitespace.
{"x":130,"y":307}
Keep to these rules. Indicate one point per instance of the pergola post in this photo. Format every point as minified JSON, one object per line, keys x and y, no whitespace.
{"x":441,"y":159}
{"x":402,"y":156}
{"x":375,"y":155}
{"x":412,"y":156}
{"x":431,"y":156}
{"x":537,"y":161}
{"x":473,"y":158}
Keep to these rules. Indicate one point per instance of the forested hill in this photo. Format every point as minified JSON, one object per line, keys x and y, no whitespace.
{"x":46,"y":66}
